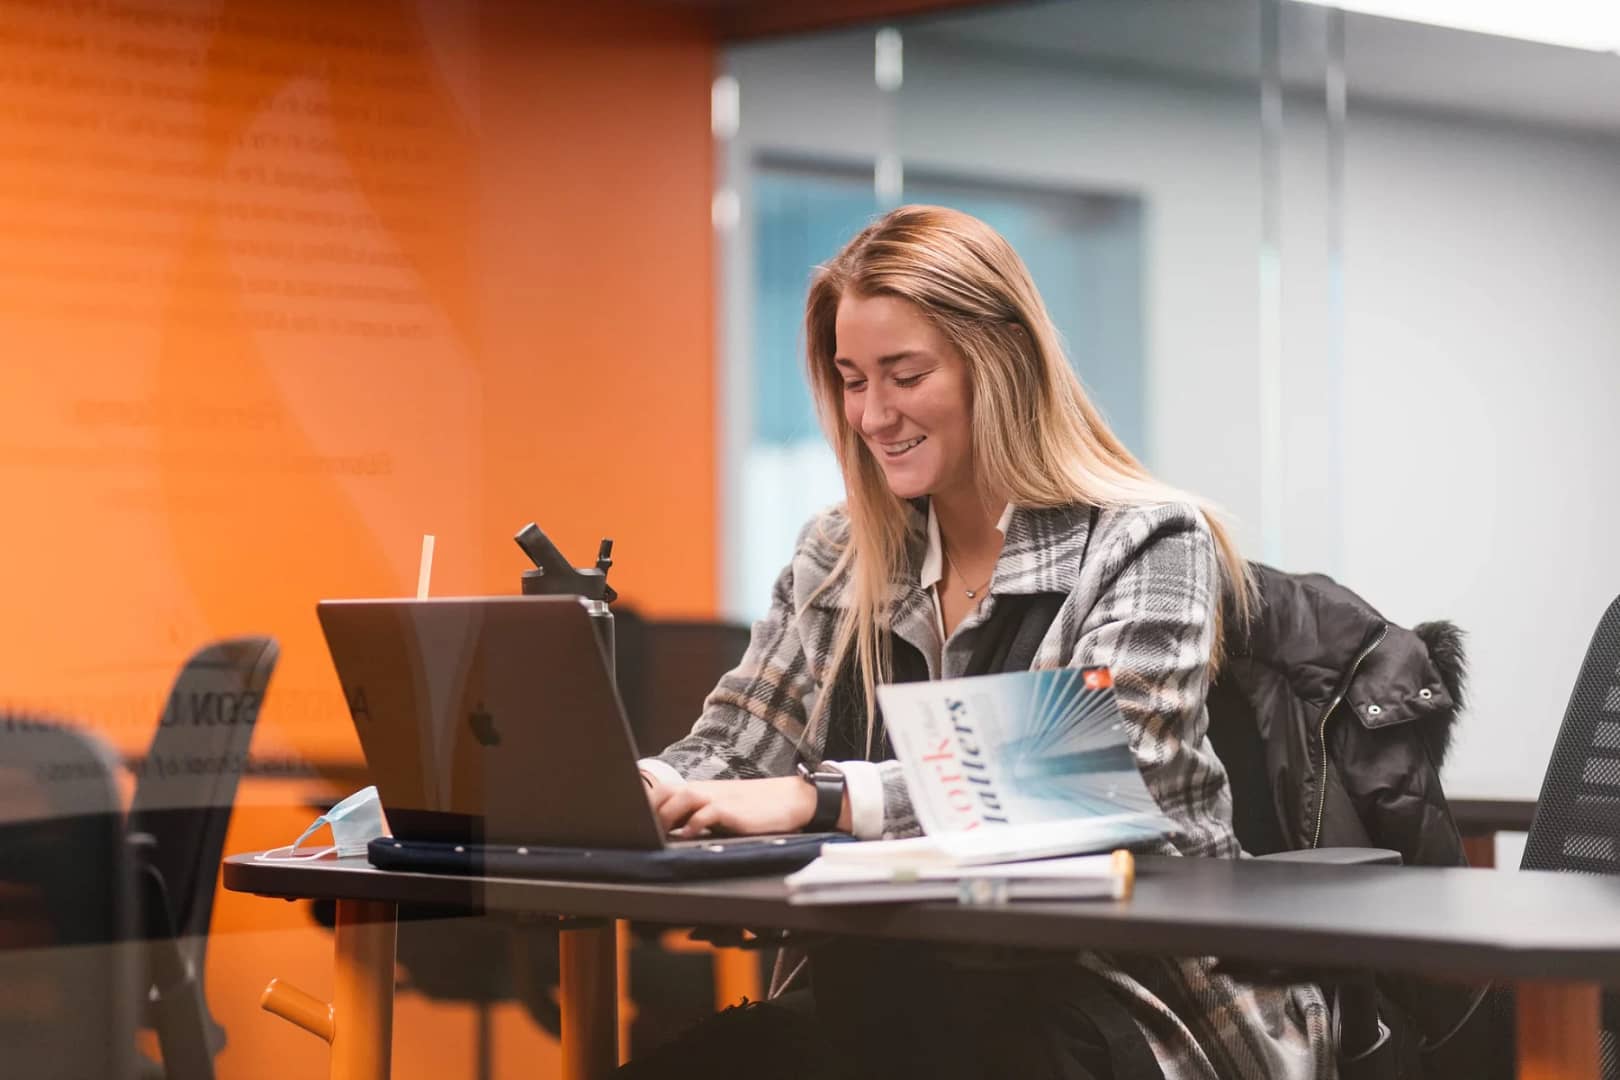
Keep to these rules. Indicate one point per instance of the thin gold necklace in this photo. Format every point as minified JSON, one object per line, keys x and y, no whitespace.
{"x":971,"y":593}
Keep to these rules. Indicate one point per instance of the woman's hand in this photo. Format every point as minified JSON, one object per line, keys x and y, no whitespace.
{"x":738,"y":807}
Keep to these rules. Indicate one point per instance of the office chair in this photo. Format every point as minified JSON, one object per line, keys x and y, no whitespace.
{"x":1385,"y":1020}
{"x":667,"y":668}
{"x":1577,"y":822}
{"x":68,"y":967}
{"x":1254,"y":820}
{"x":177,"y":824}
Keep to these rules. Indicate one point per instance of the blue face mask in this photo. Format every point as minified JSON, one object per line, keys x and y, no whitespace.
{"x":355,"y":822}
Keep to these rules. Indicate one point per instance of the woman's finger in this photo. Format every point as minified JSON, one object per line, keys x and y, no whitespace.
{"x":703,"y":819}
{"x":679,"y":806}
{"x":661,"y":796}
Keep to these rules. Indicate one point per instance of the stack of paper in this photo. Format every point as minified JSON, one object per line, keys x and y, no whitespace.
{"x":831,"y":880}
{"x":1005,"y":843}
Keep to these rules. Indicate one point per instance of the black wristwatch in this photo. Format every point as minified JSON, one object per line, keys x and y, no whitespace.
{"x":829,"y":785}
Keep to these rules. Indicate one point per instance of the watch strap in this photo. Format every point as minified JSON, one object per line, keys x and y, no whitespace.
{"x":829,"y":785}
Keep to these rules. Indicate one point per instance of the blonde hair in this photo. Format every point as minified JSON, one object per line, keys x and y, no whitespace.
{"x":1037,"y":439}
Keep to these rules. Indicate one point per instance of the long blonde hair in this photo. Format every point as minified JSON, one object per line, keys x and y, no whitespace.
{"x":1036,"y":437}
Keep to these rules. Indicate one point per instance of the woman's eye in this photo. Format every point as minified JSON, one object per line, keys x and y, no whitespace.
{"x":854,"y":384}
{"x":909,"y":380}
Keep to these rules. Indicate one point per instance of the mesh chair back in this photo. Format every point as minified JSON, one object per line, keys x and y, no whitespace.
{"x":187,"y":783}
{"x":67,"y":964}
{"x":1577,"y":822}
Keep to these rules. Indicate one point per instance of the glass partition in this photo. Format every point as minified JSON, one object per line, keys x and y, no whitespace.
{"x":1342,"y":269}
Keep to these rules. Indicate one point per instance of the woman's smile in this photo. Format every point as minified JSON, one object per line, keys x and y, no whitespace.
{"x":893,"y":451}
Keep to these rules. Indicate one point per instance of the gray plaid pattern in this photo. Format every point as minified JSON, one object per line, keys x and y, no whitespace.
{"x":1143,"y":604}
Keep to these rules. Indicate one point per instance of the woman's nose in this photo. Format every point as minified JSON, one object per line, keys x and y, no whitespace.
{"x":878,"y":413}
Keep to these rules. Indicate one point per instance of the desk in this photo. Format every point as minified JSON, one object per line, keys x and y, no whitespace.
{"x":1556,"y":935}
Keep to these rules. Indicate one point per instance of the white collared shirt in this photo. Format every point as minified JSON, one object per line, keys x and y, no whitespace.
{"x":933,"y":564}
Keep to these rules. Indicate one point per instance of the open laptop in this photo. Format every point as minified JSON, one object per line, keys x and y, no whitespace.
{"x":493,"y":721}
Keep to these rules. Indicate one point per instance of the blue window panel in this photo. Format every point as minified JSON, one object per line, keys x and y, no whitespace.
{"x":1083,"y":250}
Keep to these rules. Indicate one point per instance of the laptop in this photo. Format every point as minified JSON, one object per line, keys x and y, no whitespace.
{"x":496,"y":737}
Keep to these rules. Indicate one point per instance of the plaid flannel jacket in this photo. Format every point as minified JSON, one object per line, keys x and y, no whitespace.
{"x":1143,"y":604}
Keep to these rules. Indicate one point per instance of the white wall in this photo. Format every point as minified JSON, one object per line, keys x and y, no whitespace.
{"x":1460,"y":464}
{"x":1483,"y":363}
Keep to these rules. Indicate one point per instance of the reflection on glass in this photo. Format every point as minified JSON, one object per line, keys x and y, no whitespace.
{"x":888,"y":74}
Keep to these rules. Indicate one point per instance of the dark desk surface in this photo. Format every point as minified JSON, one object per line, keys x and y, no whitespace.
{"x":1467,"y":923}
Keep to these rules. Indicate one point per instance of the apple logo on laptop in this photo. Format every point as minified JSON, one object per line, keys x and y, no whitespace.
{"x":483,"y":726}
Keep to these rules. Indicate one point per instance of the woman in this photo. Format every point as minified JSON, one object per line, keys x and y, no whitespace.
{"x":978,"y":472}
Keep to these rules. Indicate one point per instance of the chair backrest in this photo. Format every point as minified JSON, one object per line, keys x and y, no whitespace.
{"x":1236,"y":740}
{"x":67,"y":963}
{"x":187,"y":784}
{"x":1577,"y":821}
{"x":667,"y":669}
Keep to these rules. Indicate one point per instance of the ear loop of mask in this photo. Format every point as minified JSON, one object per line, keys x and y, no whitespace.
{"x":274,"y":854}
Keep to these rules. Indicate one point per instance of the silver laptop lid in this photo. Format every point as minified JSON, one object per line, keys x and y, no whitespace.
{"x":490,"y":720}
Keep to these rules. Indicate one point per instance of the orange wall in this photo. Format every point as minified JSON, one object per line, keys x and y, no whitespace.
{"x":285,"y":285}
{"x":288,"y":285}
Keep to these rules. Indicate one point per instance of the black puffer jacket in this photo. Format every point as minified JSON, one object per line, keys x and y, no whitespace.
{"x":1333,"y":722}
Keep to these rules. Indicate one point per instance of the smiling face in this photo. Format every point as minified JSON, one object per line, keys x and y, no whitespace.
{"x":906,"y":393}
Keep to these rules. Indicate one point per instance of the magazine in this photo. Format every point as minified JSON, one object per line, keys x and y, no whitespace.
{"x":1022,"y":765}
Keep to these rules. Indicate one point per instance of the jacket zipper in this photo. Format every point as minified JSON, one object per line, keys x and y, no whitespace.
{"x":1321,"y":730}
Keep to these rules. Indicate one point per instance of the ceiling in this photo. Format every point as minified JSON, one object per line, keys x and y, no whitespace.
{"x":1387,"y":61}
